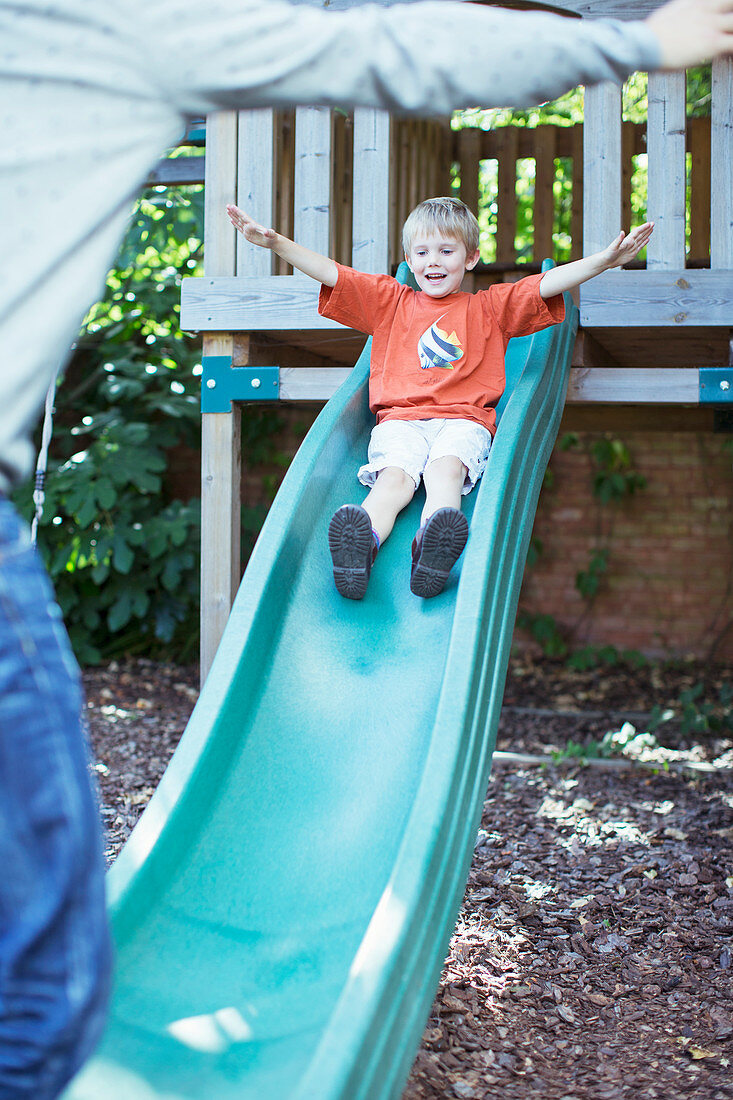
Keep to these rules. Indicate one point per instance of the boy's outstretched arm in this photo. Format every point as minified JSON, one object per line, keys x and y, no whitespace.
{"x":318,"y":267}
{"x":620,"y":251}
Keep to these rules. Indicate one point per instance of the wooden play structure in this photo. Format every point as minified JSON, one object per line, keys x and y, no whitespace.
{"x":658,"y":334}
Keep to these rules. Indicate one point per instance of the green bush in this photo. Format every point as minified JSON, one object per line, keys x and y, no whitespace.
{"x":124,"y":558}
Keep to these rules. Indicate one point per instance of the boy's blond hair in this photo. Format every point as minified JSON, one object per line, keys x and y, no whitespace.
{"x":442,"y":215}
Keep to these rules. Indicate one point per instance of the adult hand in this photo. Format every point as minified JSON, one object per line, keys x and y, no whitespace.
{"x":692,"y":31}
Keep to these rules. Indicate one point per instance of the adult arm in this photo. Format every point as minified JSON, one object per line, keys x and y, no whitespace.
{"x":93,"y":92}
{"x":424,"y":58}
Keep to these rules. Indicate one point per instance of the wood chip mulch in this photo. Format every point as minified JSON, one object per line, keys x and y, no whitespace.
{"x":592,"y":955}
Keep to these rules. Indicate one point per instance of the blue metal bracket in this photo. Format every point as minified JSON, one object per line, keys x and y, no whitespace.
{"x":716,"y":385}
{"x":221,"y":383}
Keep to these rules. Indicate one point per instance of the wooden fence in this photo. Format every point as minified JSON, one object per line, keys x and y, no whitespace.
{"x":546,"y":145}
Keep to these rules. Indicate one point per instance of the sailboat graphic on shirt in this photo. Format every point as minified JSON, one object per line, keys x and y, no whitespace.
{"x":437,"y":349}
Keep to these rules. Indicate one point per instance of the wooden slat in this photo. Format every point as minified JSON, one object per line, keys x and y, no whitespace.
{"x":667,"y":176}
{"x":699,"y":139}
{"x":255,"y":192}
{"x":414,"y":183}
{"x":602,"y":167}
{"x":370,"y":248}
{"x":311,"y":383}
{"x":576,"y":210}
{"x":341,"y":187}
{"x":658,"y":297}
{"x":637,"y":386}
{"x":246,"y":304}
{"x":469,"y":156}
{"x":313,"y":177}
{"x":721,"y":143}
{"x":395,"y":247}
{"x":544,"y":196}
{"x":221,"y":173}
{"x":446,"y":159}
{"x":614,"y":385}
{"x":284,"y":172}
{"x":506,"y":199}
{"x":627,"y":171}
{"x":403,"y":184}
{"x":177,"y":172}
{"x":654,"y":385}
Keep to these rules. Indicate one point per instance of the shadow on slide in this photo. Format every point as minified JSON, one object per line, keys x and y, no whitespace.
{"x":284,"y":906}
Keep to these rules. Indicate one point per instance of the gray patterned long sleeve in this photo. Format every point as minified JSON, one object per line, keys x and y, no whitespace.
{"x":90,"y":94}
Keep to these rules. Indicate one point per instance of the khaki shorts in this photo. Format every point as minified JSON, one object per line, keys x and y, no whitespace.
{"x":411,"y":445}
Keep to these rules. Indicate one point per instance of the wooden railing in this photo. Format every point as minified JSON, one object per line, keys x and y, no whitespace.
{"x":425,"y":157}
{"x":668,"y":293}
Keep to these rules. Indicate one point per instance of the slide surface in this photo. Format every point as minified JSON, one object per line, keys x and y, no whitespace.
{"x":283,"y":909}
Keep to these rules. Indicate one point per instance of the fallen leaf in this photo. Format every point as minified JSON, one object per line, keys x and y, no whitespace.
{"x":697,"y":1053}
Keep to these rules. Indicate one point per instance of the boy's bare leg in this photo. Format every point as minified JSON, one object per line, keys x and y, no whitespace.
{"x":392,"y":491}
{"x":444,"y":479}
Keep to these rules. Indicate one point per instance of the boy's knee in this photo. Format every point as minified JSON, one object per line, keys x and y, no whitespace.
{"x":396,"y":480}
{"x":449,"y":467}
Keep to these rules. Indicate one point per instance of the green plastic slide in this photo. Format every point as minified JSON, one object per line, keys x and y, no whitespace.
{"x":283,"y":909}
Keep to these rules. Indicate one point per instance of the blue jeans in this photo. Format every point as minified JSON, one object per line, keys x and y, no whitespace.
{"x":54,"y":942}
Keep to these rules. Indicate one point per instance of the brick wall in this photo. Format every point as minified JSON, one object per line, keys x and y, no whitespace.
{"x":668,"y":587}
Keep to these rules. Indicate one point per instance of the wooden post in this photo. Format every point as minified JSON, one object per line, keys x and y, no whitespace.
{"x":721,"y":156}
{"x":370,"y":248}
{"x":220,"y":432}
{"x":666,"y":128}
{"x":601,"y":167}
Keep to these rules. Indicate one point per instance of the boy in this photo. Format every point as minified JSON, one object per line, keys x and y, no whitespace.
{"x":437,"y":372}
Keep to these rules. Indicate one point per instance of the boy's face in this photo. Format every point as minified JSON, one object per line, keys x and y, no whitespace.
{"x":439,"y":263}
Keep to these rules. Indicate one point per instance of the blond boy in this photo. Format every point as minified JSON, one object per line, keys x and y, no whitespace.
{"x":437,"y":373}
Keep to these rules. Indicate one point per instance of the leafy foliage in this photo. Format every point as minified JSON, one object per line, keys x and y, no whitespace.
{"x":123,"y":557}
{"x":695,"y":714}
{"x":614,"y":477}
{"x":546,"y":631}
{"x":605,"y":656}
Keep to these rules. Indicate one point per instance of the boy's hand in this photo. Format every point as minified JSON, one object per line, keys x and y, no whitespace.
{"x":621,"y":251}
{"x":311,"y":263}
{"x":627,"y":245}
{"x":252,"y":230}
{"x":692,"y":31}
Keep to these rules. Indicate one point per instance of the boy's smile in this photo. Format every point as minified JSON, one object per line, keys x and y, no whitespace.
{"x":439,"y":263}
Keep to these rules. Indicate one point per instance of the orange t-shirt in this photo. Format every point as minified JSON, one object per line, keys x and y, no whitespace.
{"x":437,"y":357}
